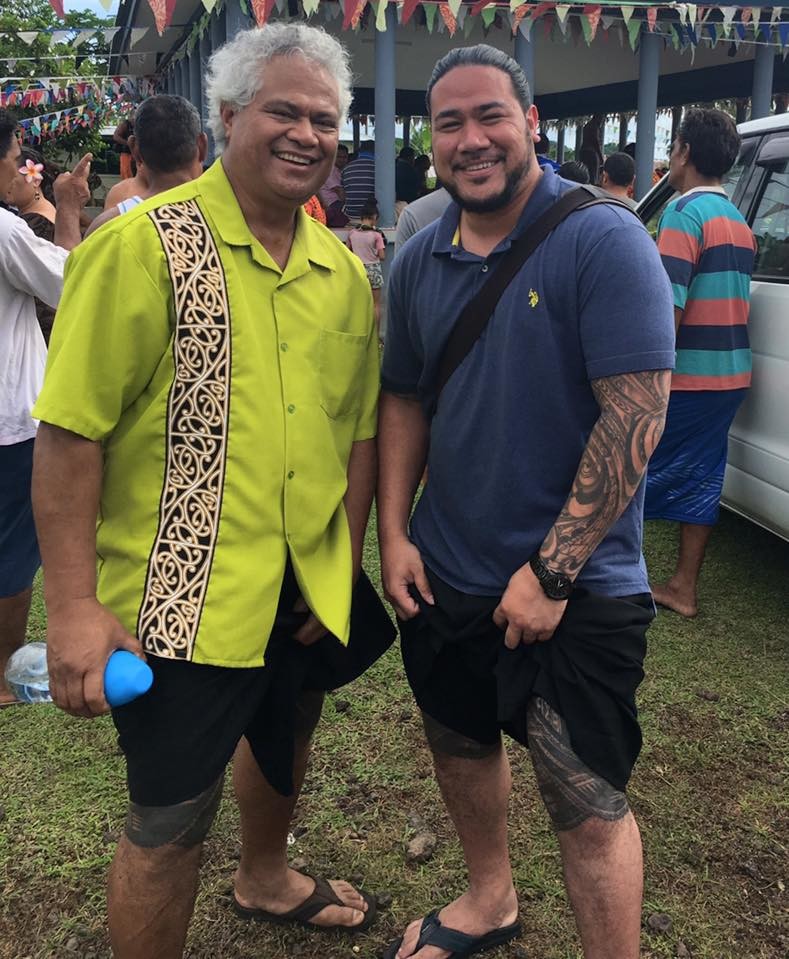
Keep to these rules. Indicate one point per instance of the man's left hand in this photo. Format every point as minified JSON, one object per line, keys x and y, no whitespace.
{"x":312,"y":629}
{"x":72,"y":188}
{"x":526,"y":613}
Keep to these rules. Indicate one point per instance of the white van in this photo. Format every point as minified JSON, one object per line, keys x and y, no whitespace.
{"x":757,"y":476}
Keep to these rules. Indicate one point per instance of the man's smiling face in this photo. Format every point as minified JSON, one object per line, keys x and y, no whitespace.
{"x":282,"y":145}
{"x":482,"y":138}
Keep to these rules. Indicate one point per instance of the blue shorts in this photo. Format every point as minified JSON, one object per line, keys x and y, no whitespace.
{"x":19,"y":556}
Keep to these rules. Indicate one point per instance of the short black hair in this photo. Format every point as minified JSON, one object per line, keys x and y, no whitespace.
{"x":343,"y":147}
{"x":407,"y":153}
{"x":620,"y":169}
{"x":8,"y":127}
{"x":369,"y":208}
{"x":713,"y":141}
{"x":482,"y":55}
{"x":167,"y":128}
{"x":575,"y":170}
{"x":543,"y":145}
{"x":630,"y":149}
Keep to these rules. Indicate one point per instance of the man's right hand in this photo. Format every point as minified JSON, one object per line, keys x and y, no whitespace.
{"x":81,"y":636}
{"x":401,"y":567}
{"x":72,"y":188}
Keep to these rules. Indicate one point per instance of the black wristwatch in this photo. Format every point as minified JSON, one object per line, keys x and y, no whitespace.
{"x":554,"y":585}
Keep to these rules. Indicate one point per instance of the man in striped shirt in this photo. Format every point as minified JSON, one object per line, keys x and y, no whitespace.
{"x":707,"y":249}
{"x":358,"y":180}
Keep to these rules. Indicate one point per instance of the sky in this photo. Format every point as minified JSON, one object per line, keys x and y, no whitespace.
{"x":93,"y":5}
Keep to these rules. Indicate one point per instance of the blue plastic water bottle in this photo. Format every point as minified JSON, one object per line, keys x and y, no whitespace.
{"x":125,"y":677}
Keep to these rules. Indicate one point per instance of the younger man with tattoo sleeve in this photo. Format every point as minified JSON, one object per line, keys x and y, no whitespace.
{"x":520,"y":586}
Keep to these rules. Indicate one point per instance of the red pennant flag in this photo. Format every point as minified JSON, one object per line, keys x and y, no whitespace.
{"x":478,"y":6}
{"x":163,"y":11}
{"x":57,"y":6}
{"x":262,"y":11}
{"x":448,"y":17}
{"x":593,"y":13}
{"x":353,"y":11}
{"x":408,"y":9}
{"x":651,"y":18}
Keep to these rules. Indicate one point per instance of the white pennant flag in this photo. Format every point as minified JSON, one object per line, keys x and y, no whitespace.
{"x":60,"y":36}
{"x":81,"y":37}
{"x":109,"y":34}
{"x":311,"y":6}
{"x":728,"y":16}
{"x":28,"y":36}
{"x":606,"y":20}
{"x":692,"y":15}
{"x":454,"y":6}
{"x":627,"y":13}
{"x":562,"y":10}
{"x":137,"y":34}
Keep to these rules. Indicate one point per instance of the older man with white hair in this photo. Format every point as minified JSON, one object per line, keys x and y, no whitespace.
{"x":216,"y":412}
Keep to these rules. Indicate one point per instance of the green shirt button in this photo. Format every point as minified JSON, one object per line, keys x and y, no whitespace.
{"x":291,"y":408}
{"x":291,"y":474}
{"x":283,"y":347}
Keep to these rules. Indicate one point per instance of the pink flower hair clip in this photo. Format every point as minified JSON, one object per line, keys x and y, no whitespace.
{"x":32,"y":172}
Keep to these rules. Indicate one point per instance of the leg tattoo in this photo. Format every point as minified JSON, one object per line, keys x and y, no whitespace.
{"x":572,"y":793}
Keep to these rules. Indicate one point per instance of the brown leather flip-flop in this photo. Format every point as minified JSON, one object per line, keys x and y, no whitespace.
{"x":322,"y":895}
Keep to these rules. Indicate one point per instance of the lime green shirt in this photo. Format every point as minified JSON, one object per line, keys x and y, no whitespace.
{"x":227,"y":394}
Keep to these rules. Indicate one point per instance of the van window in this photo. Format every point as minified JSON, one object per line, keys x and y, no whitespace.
{"x":771,"y":226}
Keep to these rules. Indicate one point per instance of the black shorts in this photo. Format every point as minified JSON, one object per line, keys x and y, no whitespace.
{"x":179,"y":737}
{"x":19,"y":556}
{"x":463,"y":676}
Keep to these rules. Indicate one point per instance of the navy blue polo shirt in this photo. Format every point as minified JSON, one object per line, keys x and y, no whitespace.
{"x":512,"y":422}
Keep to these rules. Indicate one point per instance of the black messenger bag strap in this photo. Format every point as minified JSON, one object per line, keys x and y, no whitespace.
{"x":475,"y":316}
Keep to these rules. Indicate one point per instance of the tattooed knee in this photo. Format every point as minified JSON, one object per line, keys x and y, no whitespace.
{"x":572,"y":793}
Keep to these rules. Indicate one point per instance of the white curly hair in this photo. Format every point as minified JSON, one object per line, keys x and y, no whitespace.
{"x":236,"y":71}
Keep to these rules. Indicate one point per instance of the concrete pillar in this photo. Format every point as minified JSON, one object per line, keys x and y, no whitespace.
{"x":235,"y":19}
{"x":385,"y":85}
{"x":524,"y":54}
{"x":648,"y":75}
{"x":560,"y":142}
{"x":762,"y":95}
{"x":624,"y":122}
{"x":195,"y":78}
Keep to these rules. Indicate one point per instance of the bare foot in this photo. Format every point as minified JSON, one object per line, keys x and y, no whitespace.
{"x":291,"y":890}
{"x":466,"y":915}
{"x":678,"y":600}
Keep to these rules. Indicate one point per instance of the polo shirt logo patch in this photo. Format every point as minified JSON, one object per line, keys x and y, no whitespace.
{"x":179,"y":567}
{"x":534,"y":298}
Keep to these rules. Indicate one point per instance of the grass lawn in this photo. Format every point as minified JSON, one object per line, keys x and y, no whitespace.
{"x":709,"y":792}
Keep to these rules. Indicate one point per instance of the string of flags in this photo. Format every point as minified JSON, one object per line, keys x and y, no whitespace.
{"x":50,"y":126}
{"x":49,"y":91}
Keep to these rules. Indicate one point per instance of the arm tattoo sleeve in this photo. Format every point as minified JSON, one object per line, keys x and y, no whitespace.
{"x":632,"y":413}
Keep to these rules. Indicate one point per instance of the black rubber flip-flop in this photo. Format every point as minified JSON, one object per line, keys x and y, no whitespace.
{"x":459,"y":944}
{"x":322,"y":895}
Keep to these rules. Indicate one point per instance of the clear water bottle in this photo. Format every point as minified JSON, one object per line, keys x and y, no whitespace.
{"x":26,"y":674}
{"x":125,"y":677}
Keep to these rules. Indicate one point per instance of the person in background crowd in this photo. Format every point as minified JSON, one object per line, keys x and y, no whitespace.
{"x":591,"y":153}
{"x":168,"y":143}
{"x":31,"y":194}
{"x":120,"y":138}
{"x":331,"y":194}
{"x":419,"y":214}
{"x":542,"y":147}
{"x":574,"y":170}
{"x":368,"y":244}
{"x":30,"y":267}
{"x":126,"y":189}
{"x":314,"y":208}
{"x":708,"y":252}
{"x":407,"y":180}
{"x":618,"y":177}
{"x":422,"y":166}
{"x":222,"y":328}
{"x":519,"y":580}
{"x":358,"y":180}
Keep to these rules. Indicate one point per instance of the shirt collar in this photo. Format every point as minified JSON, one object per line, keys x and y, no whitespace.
{"x":704,"y":189}
{"x":545,"y":193}
{"x":309,"y":245}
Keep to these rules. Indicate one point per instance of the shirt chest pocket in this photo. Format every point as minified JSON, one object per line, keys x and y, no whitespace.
{"x":342,"y":362}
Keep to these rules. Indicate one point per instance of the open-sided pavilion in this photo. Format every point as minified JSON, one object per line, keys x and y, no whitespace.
{"x":601,"y":58}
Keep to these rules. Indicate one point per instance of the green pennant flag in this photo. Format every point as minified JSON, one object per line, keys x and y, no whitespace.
{"x":454,"y":6}
{"x":468,"y":26}
{"x":633,"y":30}
{"x":488,"y":15}
{"x":587,"y":29}
{"x":627,"y":13}
{"x":431,"y":9}
{"x":380,"y":16}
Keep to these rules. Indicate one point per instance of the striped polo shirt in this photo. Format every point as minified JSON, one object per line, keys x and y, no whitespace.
{"x":707,"y":249}
{"x":358,"y":181}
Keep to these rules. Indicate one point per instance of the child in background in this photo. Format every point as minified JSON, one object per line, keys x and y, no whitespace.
{"x":368,"y":244}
